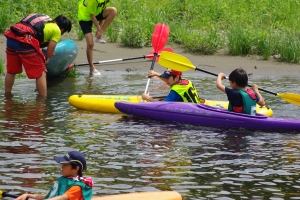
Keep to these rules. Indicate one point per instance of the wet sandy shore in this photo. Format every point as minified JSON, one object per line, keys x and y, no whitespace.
{"x":220,"y":62}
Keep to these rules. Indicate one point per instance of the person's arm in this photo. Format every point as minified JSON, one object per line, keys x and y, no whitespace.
{"x":152,"y":73}
{"x":60,"y":197}
{"x":52,"y":34}
{"x":221,"y":87}
{"x":101,"y":23}
{"x":50,"y":50}
{"x":98,"y":27}
{"x":32,"y":196}
{"x":261,"y":101}
{"x":92,"y":10}
{"x":147,"y":97}
{"x":95,"y":22}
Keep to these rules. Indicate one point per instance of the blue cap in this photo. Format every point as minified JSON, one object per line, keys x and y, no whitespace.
{"x":74,"y":157}
{"x":169,"y":73}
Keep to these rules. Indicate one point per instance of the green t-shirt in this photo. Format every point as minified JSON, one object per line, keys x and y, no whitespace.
{"x":51,"y":32}
{"x":88,"y":7}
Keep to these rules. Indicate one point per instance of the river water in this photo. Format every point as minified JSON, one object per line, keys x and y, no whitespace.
{"x":128,"y":154}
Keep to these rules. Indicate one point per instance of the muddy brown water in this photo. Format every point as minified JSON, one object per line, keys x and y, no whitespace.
{"x":128,"y":154}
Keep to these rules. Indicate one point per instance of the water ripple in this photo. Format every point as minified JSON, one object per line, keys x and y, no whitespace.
{"x":129,"y":155}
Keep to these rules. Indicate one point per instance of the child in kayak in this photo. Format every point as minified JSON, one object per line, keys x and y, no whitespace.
{"x":180,"y":89}
{"x":241,"y":100}
{"x":71,"y":185}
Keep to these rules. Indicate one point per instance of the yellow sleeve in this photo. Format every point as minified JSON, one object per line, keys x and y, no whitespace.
{"x":92,"y":7}
{"x":51,"y":32}
{"x":88,"y":7}
{"x":96,"y":7}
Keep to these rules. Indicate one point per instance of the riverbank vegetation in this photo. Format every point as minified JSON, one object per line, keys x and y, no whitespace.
{"x":2,"y":66}
{"x":241,"y":27}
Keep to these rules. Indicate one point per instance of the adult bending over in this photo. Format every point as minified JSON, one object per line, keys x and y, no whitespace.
{"x":24,"y":41}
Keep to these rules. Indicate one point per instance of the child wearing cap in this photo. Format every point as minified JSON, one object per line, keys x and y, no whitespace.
{"x":241,"y":100}
{"x":181,"y":90}
{"x":71,"y":185}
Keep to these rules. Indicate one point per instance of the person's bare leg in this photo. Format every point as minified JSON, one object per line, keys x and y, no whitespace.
{"x":109,"y":14}
{"x":41,"y":85}
{"x":8,"y":95}
{"x":9,"y":82}
{"x":89,"y":50}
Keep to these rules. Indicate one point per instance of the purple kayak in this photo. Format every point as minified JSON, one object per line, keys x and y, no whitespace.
{"x":203,"y":115}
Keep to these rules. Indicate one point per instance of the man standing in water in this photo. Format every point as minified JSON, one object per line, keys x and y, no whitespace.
{"x":24,"y":41}
{"x":89,"y":13}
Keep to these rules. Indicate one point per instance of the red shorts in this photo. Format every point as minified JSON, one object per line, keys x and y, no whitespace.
{"x":18,"y":54}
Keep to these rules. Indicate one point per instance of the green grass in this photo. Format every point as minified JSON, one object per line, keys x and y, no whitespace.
{"x":262,"y":27}
{"x":72,"y":73}
{"x":22,"y":75}
{"x":2,"y":66}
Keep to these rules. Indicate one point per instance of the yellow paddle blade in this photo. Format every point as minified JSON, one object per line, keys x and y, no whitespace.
{"x":291,"y":97}
{"x":175,"y":61}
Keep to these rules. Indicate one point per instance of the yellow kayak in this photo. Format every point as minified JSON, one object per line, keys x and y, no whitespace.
{"x":157,"y":195}
{"x":264,"y":110}
{"x":106,"y":103}
{"x":161,"y":195}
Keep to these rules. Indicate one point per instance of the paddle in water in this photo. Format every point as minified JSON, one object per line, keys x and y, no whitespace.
{"x":149,"y":56}
{"x":159,"y":40}
{"x":181,"y":63}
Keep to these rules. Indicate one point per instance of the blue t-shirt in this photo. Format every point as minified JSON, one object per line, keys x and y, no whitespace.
{"x":235,"y":97}
{"x":173,"y":96}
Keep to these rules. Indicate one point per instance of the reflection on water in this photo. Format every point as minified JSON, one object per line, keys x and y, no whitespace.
{"x":127,"y":154}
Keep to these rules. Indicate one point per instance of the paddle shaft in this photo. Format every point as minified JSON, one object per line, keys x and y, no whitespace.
{"x":114,"y":60}
{"x":180,"y":63}
{"x":151,"y":68}
{"x":159,"y":39}
{"x":4,"y":194}
{"x":211,"y":73}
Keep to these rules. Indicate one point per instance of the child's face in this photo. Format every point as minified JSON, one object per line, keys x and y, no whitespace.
{"x":62,"y":31}
{"x":66,"y":170}
{"x":171,"y":81}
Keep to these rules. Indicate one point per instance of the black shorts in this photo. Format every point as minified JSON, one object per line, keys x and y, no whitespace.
{"x":86,"y":26}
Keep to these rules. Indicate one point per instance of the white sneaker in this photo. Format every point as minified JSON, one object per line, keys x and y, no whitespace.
{"x":100,"y":41}
{"x":95,"y":73}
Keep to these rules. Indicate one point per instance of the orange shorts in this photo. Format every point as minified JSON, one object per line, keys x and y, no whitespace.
{"x":18,"y":54}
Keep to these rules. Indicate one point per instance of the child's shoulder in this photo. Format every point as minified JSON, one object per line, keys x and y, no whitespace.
{"x":231,"y":90}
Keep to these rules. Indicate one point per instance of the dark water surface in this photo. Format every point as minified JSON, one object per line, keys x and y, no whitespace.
{"x":128,"y":154}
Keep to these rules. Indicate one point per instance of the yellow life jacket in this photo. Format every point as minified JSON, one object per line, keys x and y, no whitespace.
{"x":186,"y":90}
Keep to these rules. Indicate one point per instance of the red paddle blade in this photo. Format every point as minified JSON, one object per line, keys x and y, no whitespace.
{"x":160,"y":37}
{"x":151,"y":54}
